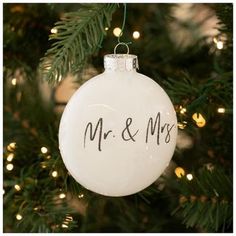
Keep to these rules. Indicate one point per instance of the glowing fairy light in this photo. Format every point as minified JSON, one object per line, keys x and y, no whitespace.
{"x":199,"y":119}
{"x":64,"y":226}
{"x":9,"y":167}
{"x":179,"y":171}
{"x":54,"y":30}
{"x":62,"y":195}
{"x":10,"y":157}
{"x":182,"y":110}
{"x":19,"y":216}
{"x":14,"y":81}
{"x":136,"y":35}
{"x":17,"y":187}
{"x":106,"y":28}
{"x":11,"y":147}
{"x":54,"y":174}
{"x":221,"y":110}
{"x":44,"y":150}
{"x":81,"y":195}
{"x":69,"y":218}
{"x":182,"y":125}
{"x":189,"y":177}
{"x":117,"y":31}
{"x":220,"y":45}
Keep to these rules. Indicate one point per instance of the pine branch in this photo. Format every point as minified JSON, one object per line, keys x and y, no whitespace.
{"x":206,"y":201}
{"x":78,"y":36}
{"x":198,"y":95}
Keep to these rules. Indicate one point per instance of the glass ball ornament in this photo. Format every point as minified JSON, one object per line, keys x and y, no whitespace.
{"x":118,"y":131}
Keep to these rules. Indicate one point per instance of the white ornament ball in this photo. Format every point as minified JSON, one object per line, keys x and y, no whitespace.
{"x":118,"y":131}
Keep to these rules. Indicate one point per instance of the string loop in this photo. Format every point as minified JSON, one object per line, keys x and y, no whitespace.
{"x":121,"y":43}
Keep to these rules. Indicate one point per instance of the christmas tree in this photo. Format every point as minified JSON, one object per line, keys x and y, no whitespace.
{"x":186,"y":48}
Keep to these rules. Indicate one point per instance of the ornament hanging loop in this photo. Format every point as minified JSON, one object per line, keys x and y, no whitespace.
{"x":121,"y":43}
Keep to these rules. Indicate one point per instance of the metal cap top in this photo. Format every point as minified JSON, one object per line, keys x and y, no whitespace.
{"x":120,"y":62}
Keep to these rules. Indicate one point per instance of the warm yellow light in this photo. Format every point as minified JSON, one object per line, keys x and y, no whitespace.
{"x":10,"y":157}
{"x":69,"y":218}
{"x":179,"y":171}
{"x":220,"y":45}
{"x":54,"y":30}
{"x":189,"y":177}
{"x":117,"y":32}
{"x":221,"y":110}
{"x":183,"y":110}
{"x":136,"y":34}
{"x":11,"y":147}
{"x":18,"y":216}
{"x":44,"y":150}
{"x":182,"y":125}
{"x":62,"y":195}
{"x":64,"y":226}
{"x":60,"y":77}
{"x":106,"y":28}
{"x":17,"y":187}
{"x":13,"y":81}
{"x":9,"y":167}
{"x":200,"y":121}
{"x":81,"y":195}
{"x":48,"y":157}
{"x":3,"y":191}
{"x":215,"y":40}
{"x":43,"y":165}
{"x":201,"y":124}
{"x":36,"y":208}
{"x":54,"y":174}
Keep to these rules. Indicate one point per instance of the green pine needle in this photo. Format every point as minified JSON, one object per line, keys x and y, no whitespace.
{"x":79,"y":35}
{"x":204,"y":199}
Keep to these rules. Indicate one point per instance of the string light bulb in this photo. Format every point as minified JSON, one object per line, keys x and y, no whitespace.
{"x":62,"y":195}
{"x":17,"y":187}
{"x":179,"y":171}
{"x":69,"y":218}
{"x":64,"y":226}
{"x":9,"y":167}
{"x":10,"y":157}
{"x":220,"y":45}
{"x":44,"y":150}
{"x":19,"y":216}
{"x":189,"y":177}
{"x":81,"y":195}
{"x":182,"y":125}
{"x":215,"y":40}
{"x":106,"y":28}
{"x":221,"y":110}
{"x":14,"y":81}
{"x":54,"y":30}
{"x":136,"y":35}
{"x":182,"y":110}
{"x":11,"y":147}
{"x":117,"y":32}
{"x":54,"y":174}
{"x":199,"y":119}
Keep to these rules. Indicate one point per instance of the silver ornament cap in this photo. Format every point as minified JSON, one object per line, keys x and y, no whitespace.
{"x":121,"y":62}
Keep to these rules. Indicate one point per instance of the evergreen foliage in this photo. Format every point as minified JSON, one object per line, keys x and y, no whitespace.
{"x":206,"y":200}
{"x":79,"y":35}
